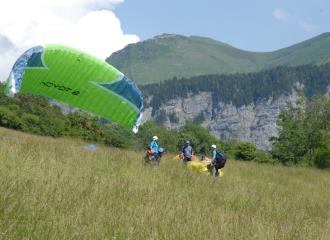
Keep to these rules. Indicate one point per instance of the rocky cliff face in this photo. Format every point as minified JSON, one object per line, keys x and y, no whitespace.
{"x":252,"y":123}
{"x":66,"y":108}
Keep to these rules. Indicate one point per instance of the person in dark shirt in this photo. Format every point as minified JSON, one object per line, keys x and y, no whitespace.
{"x":187,"y":151}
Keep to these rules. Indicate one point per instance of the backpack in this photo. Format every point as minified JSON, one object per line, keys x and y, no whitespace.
{"x":221,"y":160}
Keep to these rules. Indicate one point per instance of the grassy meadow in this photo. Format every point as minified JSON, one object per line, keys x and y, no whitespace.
{"x":53,"y":189}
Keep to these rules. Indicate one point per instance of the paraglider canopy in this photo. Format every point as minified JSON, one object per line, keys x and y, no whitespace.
{"x":78,"y":79}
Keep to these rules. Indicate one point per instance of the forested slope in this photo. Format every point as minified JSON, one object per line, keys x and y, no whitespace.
{"x":240,"y":88}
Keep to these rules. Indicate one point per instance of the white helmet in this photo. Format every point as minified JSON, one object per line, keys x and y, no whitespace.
{"x":213,"y":146}
{"x":155,"y":138}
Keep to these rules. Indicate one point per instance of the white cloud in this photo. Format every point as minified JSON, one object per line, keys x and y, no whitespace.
{"x":287,"y":17}
{"x":280,"y":15}
{"x":306,"y":26}
{"x":88,"y":25}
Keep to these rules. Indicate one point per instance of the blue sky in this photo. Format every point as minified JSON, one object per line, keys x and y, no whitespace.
{"x":101,"y":27}
{"x":252,"y":25}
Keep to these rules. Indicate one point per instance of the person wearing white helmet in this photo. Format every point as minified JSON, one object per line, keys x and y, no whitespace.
{"x":153,"y":144}
{"x":154,"y":148}
{"x":215,"y":172}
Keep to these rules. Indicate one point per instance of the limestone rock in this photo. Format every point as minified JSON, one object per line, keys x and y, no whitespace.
{"x":254,"y":123}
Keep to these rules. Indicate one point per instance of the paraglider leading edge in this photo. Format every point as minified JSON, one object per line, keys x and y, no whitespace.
{"x":120,"y":101}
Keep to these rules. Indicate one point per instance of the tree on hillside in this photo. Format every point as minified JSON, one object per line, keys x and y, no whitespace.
{"x":302,"y":129}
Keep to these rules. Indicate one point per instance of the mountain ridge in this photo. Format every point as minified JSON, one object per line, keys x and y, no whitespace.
{"x":169,"y":55}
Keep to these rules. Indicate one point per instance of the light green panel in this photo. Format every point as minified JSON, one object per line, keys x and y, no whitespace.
{"x":70,"y":71}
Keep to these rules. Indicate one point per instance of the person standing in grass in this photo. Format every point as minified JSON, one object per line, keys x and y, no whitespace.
{"x":187,"y":151}
{"x":154,"y":148}
{"x":161,"y":152}
{"x":215,"y":172}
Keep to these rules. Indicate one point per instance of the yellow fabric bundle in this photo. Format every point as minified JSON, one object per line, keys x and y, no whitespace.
{"x":198,"y":166}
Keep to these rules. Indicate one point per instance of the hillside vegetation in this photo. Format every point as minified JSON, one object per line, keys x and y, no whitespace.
{"x":240,"y":88}
{"x":52,"y":189}
{"x":171,"y":55}
{"x":303,"y":136}
{"x":33,"y":114}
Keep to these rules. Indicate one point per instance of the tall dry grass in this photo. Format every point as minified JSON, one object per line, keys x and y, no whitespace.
{"x":53,"y":189}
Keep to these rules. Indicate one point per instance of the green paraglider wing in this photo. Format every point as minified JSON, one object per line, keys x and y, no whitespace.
{"x":79,"y":79}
